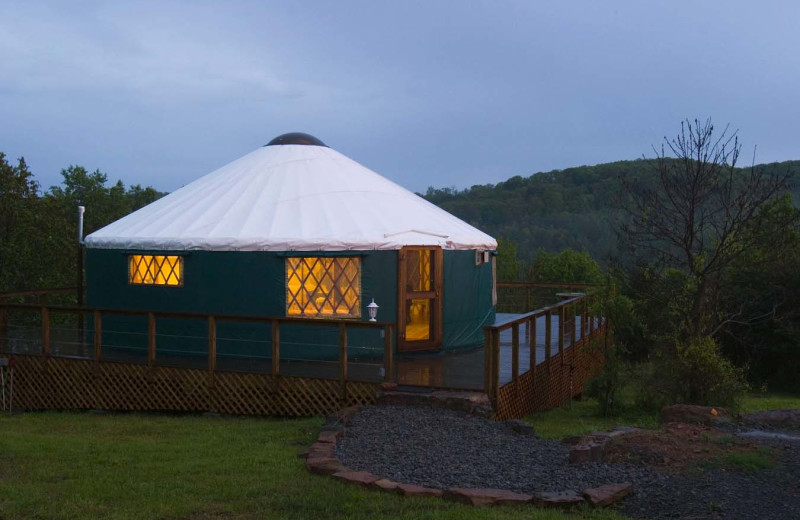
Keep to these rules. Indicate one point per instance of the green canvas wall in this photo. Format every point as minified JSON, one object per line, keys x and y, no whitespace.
{"x":253,"y":283}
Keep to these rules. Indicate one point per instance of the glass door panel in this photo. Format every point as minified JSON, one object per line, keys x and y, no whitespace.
{"x":420,"y":301}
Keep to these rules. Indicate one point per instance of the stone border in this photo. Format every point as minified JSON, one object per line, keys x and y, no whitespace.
{"x":321,"y":460}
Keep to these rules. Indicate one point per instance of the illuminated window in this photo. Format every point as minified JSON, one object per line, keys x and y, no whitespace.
{"x":323,"y":287}
{"x":155,"y":270}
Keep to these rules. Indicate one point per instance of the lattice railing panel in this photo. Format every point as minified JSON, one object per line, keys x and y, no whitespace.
{"x":549,"y":387}
{"x":63,"y":383}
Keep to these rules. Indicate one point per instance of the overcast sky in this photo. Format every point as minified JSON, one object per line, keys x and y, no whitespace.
{"x":428,"y":93}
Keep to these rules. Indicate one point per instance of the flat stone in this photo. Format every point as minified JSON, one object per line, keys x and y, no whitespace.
{"x":520,"y":427}
{"x":693,"y":414}
{"x":485,"y":497}
{"x":557,"y":499}
{"x":385,"y":484}
{"x":324,"y":465}
{"x":321,"y":449}
{"x":588,"y":452}
{"x":363,"y":478}
{"x":329,"y":436}
{"x":410,"y":490}
{"x":607,"y":495}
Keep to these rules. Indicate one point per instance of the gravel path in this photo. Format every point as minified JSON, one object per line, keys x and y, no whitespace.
{"x":441,"y":448}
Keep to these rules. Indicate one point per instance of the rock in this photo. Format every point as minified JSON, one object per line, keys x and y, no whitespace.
{"x":333,"y":426}
{"x":476,"y":403}
{"x":329,"y":436}
{"x":342,"y":417}
{"x":363,"y":478}
{"x":317,"y":451}
{"x":385,"y":484}
{"x":774,"y":419}
{"x":588,"y":452}
{"x":324,"y":465}
{"x":557,"y":499}
{"x":521,"y":427}
{"x":485,"y":497}
{"x":410,"y":490}
{"x":607,"y":495}
{"x":693,"y":414}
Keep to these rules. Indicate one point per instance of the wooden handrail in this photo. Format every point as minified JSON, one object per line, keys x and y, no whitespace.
{"x":538,"y":313}
{"x":204,"y":316}
{"x":549,"y":285}
{"x":37,"y":292}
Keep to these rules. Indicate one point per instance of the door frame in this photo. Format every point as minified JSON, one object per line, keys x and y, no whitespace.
{"x":436,"y":295}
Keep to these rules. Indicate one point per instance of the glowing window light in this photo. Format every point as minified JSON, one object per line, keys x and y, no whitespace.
{"x":321,"y":287}
{"x":155,"y":270}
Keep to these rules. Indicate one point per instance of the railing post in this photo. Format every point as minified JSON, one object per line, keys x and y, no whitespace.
{"x":212,"y":347}
{"x":561,"y":327}
{"x":533,"y":344}
{"x":3,"y":329}
{"x":98,"y":336}
{"x":584,"y":317}
{"x":573,"y":314}
{"x":343,"y":361}
{"x":495,"y":365}
{"x":276,"y":348}
{"x":151,"y":339}
{"x":487,"y":361}
{"x":515,"y":352}
{"x":388,"y":354}
{"x":548,"y":339}
{"x":45,"y":331}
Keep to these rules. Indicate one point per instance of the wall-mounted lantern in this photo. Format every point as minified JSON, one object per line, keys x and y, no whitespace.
{"x":373,"y":310}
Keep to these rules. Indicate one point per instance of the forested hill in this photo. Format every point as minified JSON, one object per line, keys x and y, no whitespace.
{"x":561,"y":208}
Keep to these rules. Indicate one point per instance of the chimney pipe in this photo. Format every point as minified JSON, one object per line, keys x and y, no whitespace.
{"x":81,"y":210}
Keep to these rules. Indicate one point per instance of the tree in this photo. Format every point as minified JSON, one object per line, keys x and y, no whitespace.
{"x":698,"y":216}
{"x":507,"y":261}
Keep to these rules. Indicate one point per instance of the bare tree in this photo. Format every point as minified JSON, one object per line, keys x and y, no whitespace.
{"x":699,"y":213}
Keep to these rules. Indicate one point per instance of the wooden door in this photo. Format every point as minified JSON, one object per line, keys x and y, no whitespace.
{"x":419,"y":315}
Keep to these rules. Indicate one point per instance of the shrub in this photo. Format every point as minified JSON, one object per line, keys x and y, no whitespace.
{"x":693,"y":373}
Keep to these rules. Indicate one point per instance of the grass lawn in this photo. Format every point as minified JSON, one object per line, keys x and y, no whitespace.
{"x":77,"y":465}
{"x":583,"y":416}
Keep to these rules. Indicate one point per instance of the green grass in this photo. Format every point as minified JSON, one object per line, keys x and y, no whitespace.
{"x":583,"y":416}
{"x":762,"y":402}
{"x":73,"y":465}
{"x":748,"y":462}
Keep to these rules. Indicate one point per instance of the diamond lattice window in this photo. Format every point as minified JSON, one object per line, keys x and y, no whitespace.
{"x":155,"y":270}
{"x":323,"y":287}
{"x":419,"y":270}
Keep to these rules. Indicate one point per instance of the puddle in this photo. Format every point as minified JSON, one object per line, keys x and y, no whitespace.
{"x":758,"y":434}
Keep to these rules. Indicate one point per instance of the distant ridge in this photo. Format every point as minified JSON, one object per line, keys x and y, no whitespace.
{"x":560,"y":208}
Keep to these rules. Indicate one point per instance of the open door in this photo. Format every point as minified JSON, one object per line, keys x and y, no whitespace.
{"x":419,"y":315}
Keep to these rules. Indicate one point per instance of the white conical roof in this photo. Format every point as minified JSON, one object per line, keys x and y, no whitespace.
{"x":290,"y":197}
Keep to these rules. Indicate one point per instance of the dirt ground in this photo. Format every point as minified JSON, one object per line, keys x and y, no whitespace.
{"x":676,"y":447}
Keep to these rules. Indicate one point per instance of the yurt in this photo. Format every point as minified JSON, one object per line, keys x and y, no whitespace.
{"x":293,"y":229}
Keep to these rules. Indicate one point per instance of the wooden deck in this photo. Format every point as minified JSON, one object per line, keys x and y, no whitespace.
{"x":465,"y":370}
{"x":68,"y":366}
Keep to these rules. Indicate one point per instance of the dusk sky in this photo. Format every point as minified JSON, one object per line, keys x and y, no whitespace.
{"x":427,"y":93}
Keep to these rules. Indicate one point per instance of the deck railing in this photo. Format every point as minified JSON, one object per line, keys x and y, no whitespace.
{"x":307,"y":388}
{"x":524,"y":392}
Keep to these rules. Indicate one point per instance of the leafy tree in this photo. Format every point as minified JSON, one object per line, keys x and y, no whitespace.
{"x":701,"y":215}
{"x":508,"y":266}
{"x":568,"y":266}
{"x":19,"y":203}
